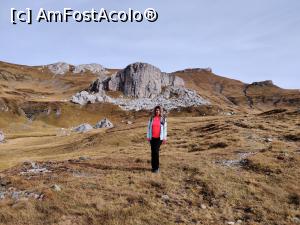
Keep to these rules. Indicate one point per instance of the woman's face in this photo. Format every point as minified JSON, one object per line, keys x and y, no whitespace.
{"x":157,"y":112}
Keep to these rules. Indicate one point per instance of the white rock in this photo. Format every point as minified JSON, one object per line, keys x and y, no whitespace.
{"x":84,"y":158}
{"x":165,"y":197}
{"x":84,"y":97}
{"x":83,"y":128}
{"x":56,"y":187}
{"x":104,"y":123}
{"x":268,"y":139}
{"x":35,"y":169}
{"x":2,"y":137}
{"x":296,"y":220}
{"x":2,"y":195}
{"x":59,"y":68}
{"x":93,"y":67}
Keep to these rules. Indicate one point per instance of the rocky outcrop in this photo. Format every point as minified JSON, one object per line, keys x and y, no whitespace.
{"x":104,"y":123}
{"x":252,"y":99}
{"x":171,"y":98}
{"x":99,"y":85}
{"x":137,"y":80}
{"x":2,"y":137}
{"x":85,"y":97}
{"x":263,"y":83}
{"x":171,"y":80}
{"x":93,"y":67}
{"x":61,"y":68}
{"x":83,"y":128}
{"x":141,"y":80}
{"x":248,"y":98}
{"x":143,"y":87}
{"x":192,"y":70}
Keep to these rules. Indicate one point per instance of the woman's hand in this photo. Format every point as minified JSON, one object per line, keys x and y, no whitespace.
{"x":164,"y":141}
{"x":148,"y":139}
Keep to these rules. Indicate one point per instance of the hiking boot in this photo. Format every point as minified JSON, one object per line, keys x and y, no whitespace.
{"x":156,"y":171}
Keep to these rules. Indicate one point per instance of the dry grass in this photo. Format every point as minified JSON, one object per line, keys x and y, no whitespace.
{"x":115,"y":186}
{"x":214,"y":169}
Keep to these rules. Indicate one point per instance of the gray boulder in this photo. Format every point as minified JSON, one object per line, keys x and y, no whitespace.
{"x":85,"y":97}
{"x":137,"y":80}
{"x":2,"y":137}
{"x":104,"y":123}
{"x":59,"y":68}
{"x":171,"y":80}
{"x":143,"y":86}
{"x":93,"y":67}
{"x":83,"y":128}
{"x":99,"y":85}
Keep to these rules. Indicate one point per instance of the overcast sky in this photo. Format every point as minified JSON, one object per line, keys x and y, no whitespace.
{"x":249,"y":40}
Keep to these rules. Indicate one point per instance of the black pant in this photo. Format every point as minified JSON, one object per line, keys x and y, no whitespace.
{"x":155,"y":144}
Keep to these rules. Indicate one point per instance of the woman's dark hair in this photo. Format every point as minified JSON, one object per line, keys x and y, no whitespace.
{"x":154,"y":110}
{"x":162,"y":115}
{"x":160,"y":109}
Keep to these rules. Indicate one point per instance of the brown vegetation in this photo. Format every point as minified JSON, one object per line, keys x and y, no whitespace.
{"x":215,"y":168}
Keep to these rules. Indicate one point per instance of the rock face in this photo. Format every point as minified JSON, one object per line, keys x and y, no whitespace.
{"x":2,"y":137}
{"x":105,"y":123}
{"x":83,"y":128}
{"x":93,"y":67}
{"x":171,"y":80}
{"x":144,"y":86}
{"x":137,"y":80}
{"x":99,"y":85}
{"x":141,"y":80}
{"x":263,"y":83}
{"x":59,"y":68}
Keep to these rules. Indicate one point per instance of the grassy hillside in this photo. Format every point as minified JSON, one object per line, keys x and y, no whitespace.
{"x":216,"y":168}
{"x":207,"y":176}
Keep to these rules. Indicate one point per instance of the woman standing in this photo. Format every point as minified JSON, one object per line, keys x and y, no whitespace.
{"x":156,"y":135}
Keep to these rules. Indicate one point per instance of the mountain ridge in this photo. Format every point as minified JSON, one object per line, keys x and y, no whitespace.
{"x":30,"y":85}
